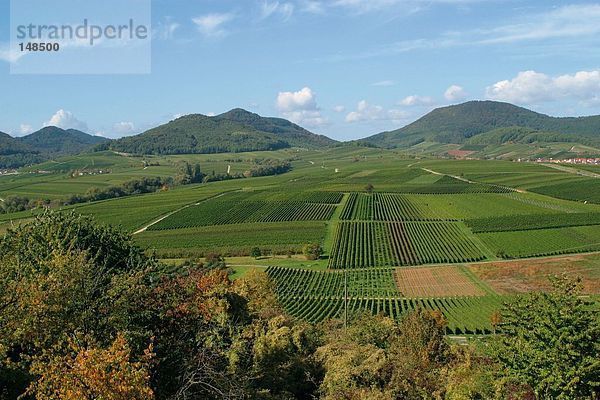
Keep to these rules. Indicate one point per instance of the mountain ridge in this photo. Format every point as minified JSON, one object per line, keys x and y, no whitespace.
{"x":236,"y":130}
{"x":459,"y":123}
{"x":44,"y":144}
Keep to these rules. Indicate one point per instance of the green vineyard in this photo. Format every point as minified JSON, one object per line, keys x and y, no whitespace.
{"x":237,"y":208}
{"x":381,"y":244}
{"x":318,"y":295}
{"x":530,"y":222}
{"x":320,"y":197}
{"x":384,"y":207}
{"x":450,"y":185}
{"x":543,"y":242}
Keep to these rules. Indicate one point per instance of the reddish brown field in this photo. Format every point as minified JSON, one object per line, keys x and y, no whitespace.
{"x":460,"y":153}
{"x":532,"y":275}
{"x":435,"y":282}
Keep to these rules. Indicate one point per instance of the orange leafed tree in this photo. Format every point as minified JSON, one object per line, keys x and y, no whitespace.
{"x":88,"y":372}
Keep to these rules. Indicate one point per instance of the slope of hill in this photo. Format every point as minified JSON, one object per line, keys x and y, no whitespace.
{"x":293,"y":134}
{"x":54,"y":141}
{"x":234,"y":131}
{"x":9,"y":145}
{"x":518,"y":134}
{"x":45,"y":144}
{"x":458,"y":123}
{"x":14,"y":154}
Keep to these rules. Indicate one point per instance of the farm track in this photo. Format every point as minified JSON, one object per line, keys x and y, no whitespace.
{"x":145,"y":228}
{"x":460,"y":178}
{"x":572,"y":170}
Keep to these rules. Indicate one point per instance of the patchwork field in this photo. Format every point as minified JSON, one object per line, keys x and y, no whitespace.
{"x":396,"y":232}
{"x":532,"y":275}
{"x":375,"y":244}
{"x":543,"y":242}
{"x":317,"y":295}
{"x":436,"y":282}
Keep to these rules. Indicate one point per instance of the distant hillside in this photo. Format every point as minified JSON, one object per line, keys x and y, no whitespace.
{"x":293,"y":134}
{"x":518,"y":134}
{"x":234,"y":131}
{"x":459,"y":123}
{"x":9,"y":145}
{"x":14,"y":154}
{"x":54,"y":141}
{"x":47,"y":143}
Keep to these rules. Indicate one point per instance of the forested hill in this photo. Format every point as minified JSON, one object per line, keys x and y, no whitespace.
{"x":234,"y":131}
{"x":55,"y":141}
{"x":293,"y":134}
{"x":459,"y":123}
{"x":45,"y":144}
{"x":10,"y":145}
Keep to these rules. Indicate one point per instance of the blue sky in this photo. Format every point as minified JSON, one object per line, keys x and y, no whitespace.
{"x":344,"y":68}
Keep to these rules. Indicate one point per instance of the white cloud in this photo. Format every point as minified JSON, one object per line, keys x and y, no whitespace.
{"x":562,"y":22}
{"x":455,"y":93}
{"x":313,"y":7}
{"x":66,"y":120}
{"x":25,"y":129}
{"x":166,"y":28}
{"x":530,"y":87}
{"x":365,"y":6}
{"x":384,"y":83}
{"x":339,"y":109}
{"x":303,"y":99}
{"x":212,"y":25}
{"x":415,"y":100}
{"x":124,"y":128}
{"x":8,"y":54}
{"x":300,"y":107}
{"x":268,"y":9}
{"x":558,"y":27}
{"x":367,"y":112}
{"x":308,"y":118}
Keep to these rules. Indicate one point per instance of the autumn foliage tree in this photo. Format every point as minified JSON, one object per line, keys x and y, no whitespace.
{"x":58,"y":276}
{"x":86,"y":371}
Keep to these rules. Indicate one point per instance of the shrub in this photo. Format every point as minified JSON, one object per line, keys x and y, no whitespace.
{"x":312,"y":251}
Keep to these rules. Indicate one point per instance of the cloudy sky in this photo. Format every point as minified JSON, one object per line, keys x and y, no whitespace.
{"x":344,"y":68}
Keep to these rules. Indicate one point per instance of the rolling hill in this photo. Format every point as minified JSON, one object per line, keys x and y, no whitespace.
{"x":293,"y":134}
{"x":234,"y":131}
{"x":47,"y":143}
{"x":14,"y":154}
{"x":54,"y":141}
{"x":496,"y":121}
{"x":9,"y":145}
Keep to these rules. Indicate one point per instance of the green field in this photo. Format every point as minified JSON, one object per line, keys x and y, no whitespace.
{"x":317,"y":295}
{"x":421,"y":214}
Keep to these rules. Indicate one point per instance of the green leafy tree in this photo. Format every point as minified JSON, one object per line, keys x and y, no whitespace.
{"x":550,"y":343}
{"x":420,"y":356}
{"x":256,"y":253}
{"x":59,"y":274}
{"x":312,"y":251}
{"x":356,"y":359}
{"x":369,"y":188}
